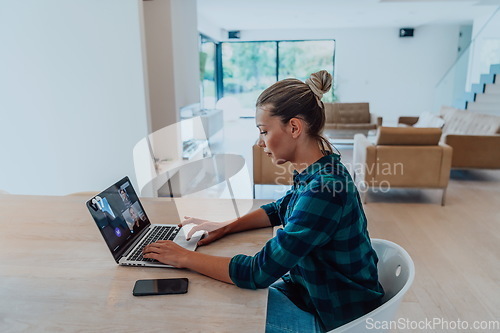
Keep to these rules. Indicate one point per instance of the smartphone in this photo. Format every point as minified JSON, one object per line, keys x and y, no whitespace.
{"x":160,"y":287}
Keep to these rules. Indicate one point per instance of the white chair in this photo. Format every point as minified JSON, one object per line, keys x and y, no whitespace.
{"x":395,"y":272}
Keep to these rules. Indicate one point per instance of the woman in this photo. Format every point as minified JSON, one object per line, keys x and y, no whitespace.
{"x":323,"y":254}
{"x":135,"y":219}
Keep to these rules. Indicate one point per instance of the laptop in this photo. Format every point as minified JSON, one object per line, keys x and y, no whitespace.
{"x":126,"y":228}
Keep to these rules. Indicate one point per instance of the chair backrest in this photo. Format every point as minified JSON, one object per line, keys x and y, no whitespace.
{"x":266,"y":172}
{"x":396,"y":272}
{"x":408,"y":136}
{"x":351,"y":113}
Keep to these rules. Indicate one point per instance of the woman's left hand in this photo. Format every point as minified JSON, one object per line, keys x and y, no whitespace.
{"x":167,"y":252}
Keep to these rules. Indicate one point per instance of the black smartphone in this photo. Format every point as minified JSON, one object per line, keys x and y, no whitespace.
{"x":160,"y":287}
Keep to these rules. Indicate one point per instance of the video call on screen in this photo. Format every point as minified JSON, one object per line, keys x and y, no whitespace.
{"x":118,"y":214}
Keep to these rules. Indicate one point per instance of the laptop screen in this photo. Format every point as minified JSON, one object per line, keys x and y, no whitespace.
{"x":119,"y":216}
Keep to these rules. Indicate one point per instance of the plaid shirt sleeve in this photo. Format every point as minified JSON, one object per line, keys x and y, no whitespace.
{"x":311,"y":224}
{"x":276,"y":210}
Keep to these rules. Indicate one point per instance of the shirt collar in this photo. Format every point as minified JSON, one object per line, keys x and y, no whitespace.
{"x":307,"y":174}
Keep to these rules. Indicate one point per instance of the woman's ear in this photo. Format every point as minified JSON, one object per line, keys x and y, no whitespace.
{"x":296,"y":127}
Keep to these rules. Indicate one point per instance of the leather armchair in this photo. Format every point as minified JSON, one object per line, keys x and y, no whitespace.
{"x":402,"y":157}
{"x":343,"y":120}
{"x":265,"y":172}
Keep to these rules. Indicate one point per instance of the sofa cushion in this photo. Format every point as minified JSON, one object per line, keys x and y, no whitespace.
{"x":468,"y":122}
{"x":428,"y":119}
{"x":413,"y":136}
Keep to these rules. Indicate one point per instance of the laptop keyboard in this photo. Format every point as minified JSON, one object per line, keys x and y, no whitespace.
{"x":159,"y":233}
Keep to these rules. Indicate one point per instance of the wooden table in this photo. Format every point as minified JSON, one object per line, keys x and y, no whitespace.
{"x":57,"y":275}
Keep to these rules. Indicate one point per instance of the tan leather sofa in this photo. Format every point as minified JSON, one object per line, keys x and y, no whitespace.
{"x":474,"y":137}
{"x":343,"y":120}
{"x":265,"y":172}
{"x":402,"y":157}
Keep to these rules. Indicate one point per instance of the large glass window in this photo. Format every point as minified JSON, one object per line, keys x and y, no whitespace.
{"x":300,"y":59}
{"x":248,"y":68}
{"x":245,"y":69}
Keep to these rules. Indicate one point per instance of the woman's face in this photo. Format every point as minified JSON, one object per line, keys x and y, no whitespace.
{"x":133,"y":214}
{"x":274,"y":137}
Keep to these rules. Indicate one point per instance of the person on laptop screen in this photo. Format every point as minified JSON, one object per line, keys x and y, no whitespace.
{"x":125,"y":197}
{"x":320,"y":267}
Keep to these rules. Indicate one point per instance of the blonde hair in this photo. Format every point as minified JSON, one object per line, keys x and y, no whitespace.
{"x":292,"y":98}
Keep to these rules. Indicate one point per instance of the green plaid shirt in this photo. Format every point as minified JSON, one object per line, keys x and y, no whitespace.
{"x":323,"y":252}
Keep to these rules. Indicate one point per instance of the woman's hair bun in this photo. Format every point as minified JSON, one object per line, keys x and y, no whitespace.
{"x":320,"y":83}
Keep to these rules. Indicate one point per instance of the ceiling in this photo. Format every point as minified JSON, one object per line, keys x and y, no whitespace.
{"x":330,"y":14}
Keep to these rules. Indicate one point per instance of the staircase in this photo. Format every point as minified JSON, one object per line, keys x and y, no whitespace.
{"x":484,"y":97}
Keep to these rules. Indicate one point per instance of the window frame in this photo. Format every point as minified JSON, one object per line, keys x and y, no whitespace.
{"x":219,"y":65}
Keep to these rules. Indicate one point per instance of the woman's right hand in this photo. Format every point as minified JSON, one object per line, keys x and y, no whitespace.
{"x":212,"y":230}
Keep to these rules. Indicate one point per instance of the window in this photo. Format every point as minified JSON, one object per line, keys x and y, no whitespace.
{"x":208,"y":73}
{"x":247,"y":68}
{"x":301,"y":59}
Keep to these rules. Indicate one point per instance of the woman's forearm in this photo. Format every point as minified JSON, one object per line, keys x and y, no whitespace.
{"x":212,"y":266}
{"x":218,"y":267}
{"x":254,"y":220}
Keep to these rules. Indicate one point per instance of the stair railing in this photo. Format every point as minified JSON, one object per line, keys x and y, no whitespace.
{"x":451,"y":88}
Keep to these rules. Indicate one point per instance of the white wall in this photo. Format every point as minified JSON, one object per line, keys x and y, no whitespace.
{"x":185,"y":41}
{"x":160,"y":63}
{"x":210,"y":29}
{"x":72,"y":96}
{"x":461,"y":66}
{"x":396,"y":75}
{"x":173,"y":67}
